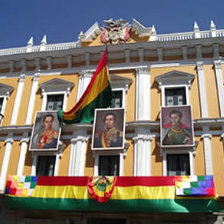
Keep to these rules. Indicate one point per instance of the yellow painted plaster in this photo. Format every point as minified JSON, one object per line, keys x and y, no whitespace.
{"x":2,"y":153}
{"x":129,"y":160}
{"x":156,"y":93}
{"x":211,"y":91}
{"x":218,"y":164}
{"x":24,"y":101}
{"x":65,"y":159}
{"x":199,"y":162}
{"x":72,"y":96}
{"x":89,"y":163}
{"x":133,"y":39}
{"x":130,"y":96}
{"x":10,"y":102}
{"x":28,"y":163}
{"x":14,"y":158}
{"x":156,"y":159}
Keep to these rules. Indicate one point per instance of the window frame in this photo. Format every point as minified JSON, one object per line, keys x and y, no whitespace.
{"x":5,"y":98}
{"x":166,"y":152}
{"x":46,"y":94}
{"x":123,"y":105}
{"x":35,"y":156}
{"x":163,"y":93}
{"x":97,"y":154}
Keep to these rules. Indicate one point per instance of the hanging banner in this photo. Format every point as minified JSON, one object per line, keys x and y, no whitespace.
{"x":176,"y":127}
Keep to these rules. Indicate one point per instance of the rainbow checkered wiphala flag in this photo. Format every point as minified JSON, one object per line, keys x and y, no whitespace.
{"x":195,"y":185}
{"x":107,"y":194}
{"x":22,"y":186}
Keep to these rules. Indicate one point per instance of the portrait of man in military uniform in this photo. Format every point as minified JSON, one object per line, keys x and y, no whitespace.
{"x":46,"y":132}
{"x":176,"y":126}
{"x":108,"y":129}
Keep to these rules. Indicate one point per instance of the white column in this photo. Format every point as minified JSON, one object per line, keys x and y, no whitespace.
{"x":85,"y":77}
{"x":32,"y":98}
{"x":8,"y":147}
{"x":142,"y":152}
{"x":219,"y":81}
{"x":143,"y":85}
{"x":78,"y":153}
{"x":17,"y":99}
{"x":202,"y":90}
{"x":22,"y":156}
{"x":208,"y":153}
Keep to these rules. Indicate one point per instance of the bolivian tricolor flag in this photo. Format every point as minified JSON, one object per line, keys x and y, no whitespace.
{"x":97,"y":95}
{"x":112,"y":194}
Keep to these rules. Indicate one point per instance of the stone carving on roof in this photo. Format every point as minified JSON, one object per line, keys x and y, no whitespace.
{"x":115,"y":32}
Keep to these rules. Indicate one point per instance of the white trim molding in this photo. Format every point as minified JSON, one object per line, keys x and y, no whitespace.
{"x":208,"y":153}
{"x":24,"y":145}
{"x":142,"y":152}
{"x":17,"y":99}
{"x":84,"y":79}
{"x":35,"y":156}
{"x":32,"y":98}
{"x":189,"y":151}
{"x":78,"y":153}
{"x":5,"y":90}
{"x":175,"y":79}
{"x":143,"y":85}
{"x":202,"y":90}
{"x":219,"y":83}
{"x":55,"y":87}
{"x":97,"y":154}
{"x":5,"y":163}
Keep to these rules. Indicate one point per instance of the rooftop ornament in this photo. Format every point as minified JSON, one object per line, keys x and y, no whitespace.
{"x":115,"y":32}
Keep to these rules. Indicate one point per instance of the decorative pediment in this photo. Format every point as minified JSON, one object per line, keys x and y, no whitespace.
{"x":141,"y":30}
{"x":117,"y":32}
{"x":5,"y":90}
{"x":56,"y":85}
{"x":120,"y":82}
{"x":175,"y":78}
{"x":90,"y":34}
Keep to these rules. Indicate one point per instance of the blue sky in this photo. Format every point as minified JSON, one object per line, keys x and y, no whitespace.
{"x":62,"y":20}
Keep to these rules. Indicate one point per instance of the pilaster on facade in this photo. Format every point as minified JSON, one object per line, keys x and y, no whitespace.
{"x":142,"y":152}
{"x":85,"y":77}
{"x":220,"y":87}
{"x":69,"y":61}
{"x":32,"y":98}
{"x":87,"y":58}
{"x":222,"y":136}
{"x":127,"y":56}
{"x":49,"y":63}
{"x":184,"y":52}
{"x":160,"y":54}
{"x":202,"y":90}
{"x":17,"y":99}
{"x":78,"y":153}
{"x":207,"y":151}
{"x":5,"y":163}
{"x":24,"y":145}
{"x":141,"y":55}
{"x":11,"y":66}
{"x":216,"y":51}
{"x":23,"y":65}
{"x":143,"y":84}
{"x":198,"y":52}
{"x":37,"y":63}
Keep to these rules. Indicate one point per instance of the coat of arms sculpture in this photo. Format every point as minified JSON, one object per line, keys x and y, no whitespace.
{"x":115,"y":32}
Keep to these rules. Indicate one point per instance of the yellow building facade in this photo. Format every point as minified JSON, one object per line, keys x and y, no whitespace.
{"x":147,"y":71}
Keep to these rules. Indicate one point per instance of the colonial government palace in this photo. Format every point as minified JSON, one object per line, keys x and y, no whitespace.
{"x":149,"y":73}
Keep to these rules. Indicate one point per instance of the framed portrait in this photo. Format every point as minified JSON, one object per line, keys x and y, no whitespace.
{"x":108,"y":129}
{"x":176,"y":127}
{"x":46,"y":132}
